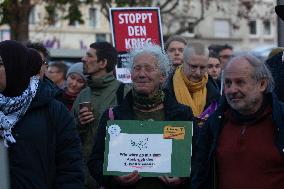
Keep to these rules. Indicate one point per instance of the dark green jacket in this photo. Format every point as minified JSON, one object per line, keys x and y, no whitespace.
{"x":102,"y":93}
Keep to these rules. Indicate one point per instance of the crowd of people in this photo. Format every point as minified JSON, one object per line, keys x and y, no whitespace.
{"x":53,"y":117}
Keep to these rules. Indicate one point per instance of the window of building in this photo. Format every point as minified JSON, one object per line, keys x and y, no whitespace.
{"x":100,"y":37}
{"x":191,"y":28}
{"x":32,"y":17}
{"x":267,"y":27}
{"x":92,"y":17}
{"x":5,"y":35}
{"x":252,"y":27}
{"x":221,"y":28}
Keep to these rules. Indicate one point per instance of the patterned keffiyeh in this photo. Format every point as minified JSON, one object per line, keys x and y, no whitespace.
{"x":12,"y":110}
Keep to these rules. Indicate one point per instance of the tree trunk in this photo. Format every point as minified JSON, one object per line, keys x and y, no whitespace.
{"x":19,"y":20}
{"x":20,"y":29}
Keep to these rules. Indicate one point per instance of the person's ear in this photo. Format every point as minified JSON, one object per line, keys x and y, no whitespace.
{"x":103,"y":63}
{"x":263,"y":85}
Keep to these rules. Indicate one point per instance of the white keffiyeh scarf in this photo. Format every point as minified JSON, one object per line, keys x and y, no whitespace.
{"x":13,"y":108}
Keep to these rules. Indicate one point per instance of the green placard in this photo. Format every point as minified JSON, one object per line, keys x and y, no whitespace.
{"x":143,"y":145}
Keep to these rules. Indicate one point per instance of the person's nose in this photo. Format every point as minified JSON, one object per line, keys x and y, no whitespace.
{"x":198,"y":71}
{"x":84,"y":59}
{"x":232,"y":89}
{"x":177,"y":52}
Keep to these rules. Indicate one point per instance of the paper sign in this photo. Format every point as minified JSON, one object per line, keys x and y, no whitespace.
{"x":171,"y":132}
{"x":141,"y":145}
{"x":123,"y":75}
{"x":142,"y":152}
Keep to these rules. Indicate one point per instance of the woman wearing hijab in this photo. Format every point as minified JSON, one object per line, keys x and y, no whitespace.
{"x":43,"y":146}
{"x":147,"y":101}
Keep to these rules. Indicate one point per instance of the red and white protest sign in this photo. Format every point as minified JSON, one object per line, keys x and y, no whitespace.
{"x":135,"y":26}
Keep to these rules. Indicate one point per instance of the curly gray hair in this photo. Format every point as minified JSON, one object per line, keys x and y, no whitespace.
{"x":163,"y":61}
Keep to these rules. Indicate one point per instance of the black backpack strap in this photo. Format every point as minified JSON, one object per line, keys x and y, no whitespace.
{"x":120,"y":93}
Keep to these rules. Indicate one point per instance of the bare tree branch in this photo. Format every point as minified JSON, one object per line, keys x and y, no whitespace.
{"x":169,"y":9}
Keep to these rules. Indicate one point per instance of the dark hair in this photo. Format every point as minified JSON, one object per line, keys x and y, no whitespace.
{"x":105,"y":50}
{"x":39,"y":47}
{"x":175,"y":38}
{"x":226,"y":46}
{"x":216,"y":48}
{"x":61,"y":67}
{"x":213,"y":54}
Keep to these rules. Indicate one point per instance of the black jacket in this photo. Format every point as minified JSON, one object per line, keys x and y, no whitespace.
{"x":212,"y":90}
{"x":173,"y":112}
{"x":203,"y":159}
{"x":47,"y":153}
{"x":276,"y":65}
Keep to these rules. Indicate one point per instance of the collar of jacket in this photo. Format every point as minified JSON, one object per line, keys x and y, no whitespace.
{"x":99,"y":83}
{"x":277,"y":115}
{"x":171,"y":107}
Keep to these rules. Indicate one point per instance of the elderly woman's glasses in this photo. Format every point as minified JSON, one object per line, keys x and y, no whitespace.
{"x":147,"y":68}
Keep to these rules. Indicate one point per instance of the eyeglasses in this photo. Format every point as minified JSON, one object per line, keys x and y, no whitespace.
{"x":147,"y":68}
{"x":226,"y":56}
{"x":193,"y":68}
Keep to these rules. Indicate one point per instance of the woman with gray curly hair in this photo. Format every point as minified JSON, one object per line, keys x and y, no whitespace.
{"x":149,"y":67}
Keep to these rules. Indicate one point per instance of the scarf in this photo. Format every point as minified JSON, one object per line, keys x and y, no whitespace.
{"x":148,"y":102}
{"x":12,"y":109}
{"x":192,"y":94}
{"x":68,"y":99}
{"x":101,"y":82}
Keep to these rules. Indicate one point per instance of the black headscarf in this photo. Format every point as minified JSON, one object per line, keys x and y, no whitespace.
{"x":15,"y":60}
{"x":34,"y":61}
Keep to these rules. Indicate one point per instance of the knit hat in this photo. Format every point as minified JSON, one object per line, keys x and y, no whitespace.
{"x":15,"y":59}
{"x":34,"y":61}
{"x":279,"y":9}
{"x":78,"y":69}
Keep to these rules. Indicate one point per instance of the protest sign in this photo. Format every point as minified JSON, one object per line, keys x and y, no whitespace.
{"x":154,"y":148}
{"x":133,"y":27}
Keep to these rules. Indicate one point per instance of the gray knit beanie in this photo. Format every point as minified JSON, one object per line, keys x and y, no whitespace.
{"x":78,"y":69}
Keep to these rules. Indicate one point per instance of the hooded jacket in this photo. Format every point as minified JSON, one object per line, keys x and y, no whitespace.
{"x":47,"y":153}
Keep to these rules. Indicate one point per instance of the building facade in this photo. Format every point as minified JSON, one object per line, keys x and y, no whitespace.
{"x":219,"y":22}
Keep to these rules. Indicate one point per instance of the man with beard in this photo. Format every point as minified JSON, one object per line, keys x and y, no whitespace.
{"x":242,"y":143}
{"x":102,"y":91}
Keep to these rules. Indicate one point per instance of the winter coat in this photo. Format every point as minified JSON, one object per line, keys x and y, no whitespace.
{"x":107,"y":93}
{"x":47,"y":153}
{"x":276,"y":65}
{"x":203,"y":161}
{"x":173,"y":112}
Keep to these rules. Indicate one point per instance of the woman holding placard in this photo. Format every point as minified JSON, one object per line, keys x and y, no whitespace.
{"x":147,"y":101}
